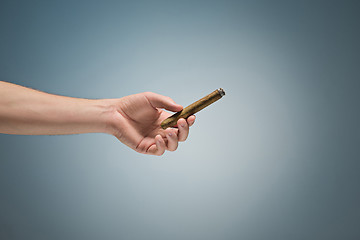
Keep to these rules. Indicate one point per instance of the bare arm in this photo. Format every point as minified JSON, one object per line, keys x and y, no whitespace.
{"x":134,"y":120}
{"x":30,"y":112}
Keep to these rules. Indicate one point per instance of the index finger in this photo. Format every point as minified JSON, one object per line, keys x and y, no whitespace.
{"x":160,"y":101}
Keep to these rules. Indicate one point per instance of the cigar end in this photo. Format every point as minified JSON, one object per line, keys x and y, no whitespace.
{"x":221,"y":92}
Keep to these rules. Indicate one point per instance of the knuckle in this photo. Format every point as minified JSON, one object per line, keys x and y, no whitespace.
{"x":148,"y":94}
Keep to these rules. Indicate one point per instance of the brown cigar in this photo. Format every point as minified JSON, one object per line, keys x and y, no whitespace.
{"x":193,"y":108}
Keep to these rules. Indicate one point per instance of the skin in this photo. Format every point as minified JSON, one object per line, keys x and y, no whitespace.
{"x":134,"y":119}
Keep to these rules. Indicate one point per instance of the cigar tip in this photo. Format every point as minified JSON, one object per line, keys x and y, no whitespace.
{"x":221,"y":91}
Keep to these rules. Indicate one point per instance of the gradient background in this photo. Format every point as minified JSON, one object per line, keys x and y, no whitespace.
{"x":277,"y":158}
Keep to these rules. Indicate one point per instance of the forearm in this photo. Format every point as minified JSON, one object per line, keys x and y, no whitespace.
{"x":30,"y":112}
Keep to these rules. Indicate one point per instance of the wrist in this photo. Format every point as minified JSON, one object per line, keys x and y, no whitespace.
{"x":109,"y":116}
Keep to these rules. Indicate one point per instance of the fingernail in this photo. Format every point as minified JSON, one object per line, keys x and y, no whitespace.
{"x":170,"y":134}
{"x":182,"y":124}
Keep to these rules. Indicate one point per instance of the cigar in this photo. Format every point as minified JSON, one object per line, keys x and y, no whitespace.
{"x":193,"y":108}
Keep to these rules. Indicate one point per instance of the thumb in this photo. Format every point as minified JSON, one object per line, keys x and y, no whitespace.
{"x":160,"y":101}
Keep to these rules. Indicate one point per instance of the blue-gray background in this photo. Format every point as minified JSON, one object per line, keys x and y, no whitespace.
{"x":276,"y":158}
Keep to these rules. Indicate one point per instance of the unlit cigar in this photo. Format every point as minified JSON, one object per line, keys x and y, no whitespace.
{"x":193,"y":108}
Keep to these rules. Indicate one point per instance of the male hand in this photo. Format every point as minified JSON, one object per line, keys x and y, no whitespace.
{"x":137,"y":120}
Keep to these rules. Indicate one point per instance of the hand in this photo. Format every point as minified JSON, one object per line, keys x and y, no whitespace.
{"x":137,"y":121}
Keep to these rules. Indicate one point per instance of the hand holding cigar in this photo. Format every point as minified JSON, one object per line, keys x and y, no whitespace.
{"x":135,"y":119}
{"x":193,"y":108}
